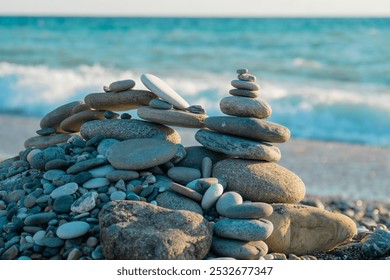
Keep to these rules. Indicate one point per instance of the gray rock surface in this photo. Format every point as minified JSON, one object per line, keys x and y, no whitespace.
{"x":138,"y":230}
{"x":237,"y":249}
{"x":245,"y":107}
{"x":175,"y":201}
{"x":43,"y":142}
{"x":237,"y":147}
{"x":251,"y":128}
{"x":243,"y":229}
{"x":124,"y":129}
{"x":260,"y":181}
{"x":74,"y":122}
{"x":172,"y":117}
{"x":377,"y":245}
{"x":136,"y":154}
{"x":55,"y":117}
{"x":120,"y":101}
{"x":195,"y":155}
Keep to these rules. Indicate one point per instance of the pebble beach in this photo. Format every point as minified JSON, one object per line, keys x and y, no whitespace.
{"x":93,"y":182}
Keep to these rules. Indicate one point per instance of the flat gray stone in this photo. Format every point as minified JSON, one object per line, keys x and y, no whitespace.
{"x":125,"y":175}
{"x":227,"y":200}
{"x":251,"y":128}
{"x":55,"y":117}
{"x":175,"y":201}
{"x":75,"y":121}
{"x":250,"y":210}
{"x":244,"y":93}
{"x":237,"y":147}
{"x":243,"y":229}
{"x":160,"y":104}
{"x":196,"y":154}
{"x":120,"y":101}
{"x":245,"y":107}
{"x":118,"y":195}
{"x":43,"y":142}
{"x":121,"y":85}
{"x":124,"y":129}
{"x":172,"y":117}
{"x":40,"y":218}
{"x":183,"y":175}
{"x":85,"y":165}
{"x":260,"y":181}
{"x":101,"y":171}
{"x":245,"y":85}
{"x":66,"y":189}
{"x":187,"y":192}
{"x":241,"y":250}
{"x":95,"y":183}
{"x":72,"y":230}
{"x":104,"y":145}
{"x":53,"y":173}
{"x":136,"y":154}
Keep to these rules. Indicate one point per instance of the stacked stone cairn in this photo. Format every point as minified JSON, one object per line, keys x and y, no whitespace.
{"x":96,"y":184}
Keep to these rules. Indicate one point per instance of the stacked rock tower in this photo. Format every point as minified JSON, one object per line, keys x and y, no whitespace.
{"x":97,"y":184}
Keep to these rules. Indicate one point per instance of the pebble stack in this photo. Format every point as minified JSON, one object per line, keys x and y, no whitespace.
{"x":91,"y":185}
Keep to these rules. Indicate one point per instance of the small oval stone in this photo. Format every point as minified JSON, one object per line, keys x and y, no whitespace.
{"x":160,"y":104}
{"x":228,"y":200}
{"x":186,"y":192}
{"x":125,"y":175}
{"x":245,"y":85}
{"x":95,"y":183}
{"x":250,"y":210}
{"x":212,"y":194}
{"x":245,"y":107}
{"x":242,"y":229}
{"x":72,"y":230}
{"x":118,"y":195}
{"x":183,"y":175}
{"x":66,"y":189}
{"x":101,"y":171}
{"x":237,"y":249}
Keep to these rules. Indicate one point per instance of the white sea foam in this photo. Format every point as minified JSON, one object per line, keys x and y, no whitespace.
{"x":344,"y":112}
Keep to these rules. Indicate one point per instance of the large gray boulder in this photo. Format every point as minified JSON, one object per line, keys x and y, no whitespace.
{"x":141,"y":231}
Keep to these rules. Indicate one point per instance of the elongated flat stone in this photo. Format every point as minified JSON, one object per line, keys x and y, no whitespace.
{"x":250,"y":210}
{"x":43,"y":142}
{"x":125,"y":175}
{"x":244,"y":229}
{"x":251,"y":128}
{"x":172,"y":117}
{"x":244,"y":93}
{"x":164,"y":91}
{"x":186,"y":192}
{"x":121,"y":85}
{"x":237,"y":147}
{"x":245,"y":107}
{"x":72,"y":230}
{"x":120,"y":101}
{"x":55,"y":117}
{"x":128,"y":129}
{"x":136,"y":154}
{"x":74,"y":122}
{"x":245,"y":85}
{"x":237,"y":249}
{"x":86,"y":165}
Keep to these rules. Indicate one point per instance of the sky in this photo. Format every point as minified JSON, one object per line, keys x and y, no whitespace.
{"x":239,"y":8}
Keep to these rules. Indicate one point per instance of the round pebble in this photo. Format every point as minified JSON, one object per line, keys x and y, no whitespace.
{"x":118,"y":195}
{"x":228,"y":200}
{"x":72,"y":230}
{"x":66,"y":189}
{"x":211,"y":196}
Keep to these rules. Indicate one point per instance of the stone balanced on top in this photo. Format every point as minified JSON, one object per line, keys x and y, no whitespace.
{"x":93,"y":186}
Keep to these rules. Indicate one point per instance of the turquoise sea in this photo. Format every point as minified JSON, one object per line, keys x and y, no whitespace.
{"x":325,"y":79}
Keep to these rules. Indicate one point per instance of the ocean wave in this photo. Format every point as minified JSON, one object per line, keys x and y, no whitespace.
{"x":328,"y":111}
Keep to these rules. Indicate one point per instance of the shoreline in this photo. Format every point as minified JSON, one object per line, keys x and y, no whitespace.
{"x":328,"y":169}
